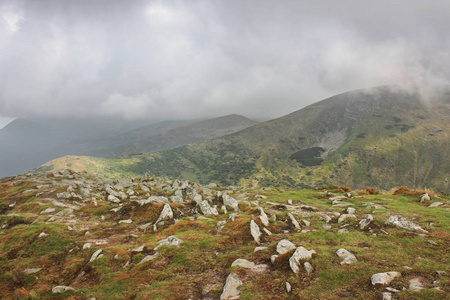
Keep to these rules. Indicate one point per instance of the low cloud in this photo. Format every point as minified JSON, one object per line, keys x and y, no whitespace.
{"x":173,"y":59}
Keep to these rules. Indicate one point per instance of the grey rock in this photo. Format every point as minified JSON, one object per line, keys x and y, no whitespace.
{"x":263,"y":217}
{"x":344,"y":217}
{"x":113,"y":198}
{"x":288,"y":287}
{"x":299,"y":255}
{"x":401,"y":222}
{"x":42,"y":234}
{"x":386,"y":295}
{"x":365,"y":221}
{"x":384,"y":278}
{"x":351,"y":210}
{"x":48,"y":211}
{"x":436,"y":204}
{"x":230,"y":201}
{"x":284,"y":246}
{"x":206,"y":209}
{"x":415,"y":284}
{"x":138,"y":249}
{"x":62,"y":289}
{"x":170,"y":241}
{"x":166,"y":213}
{"x":221,"y":225}
{"x":149,"y":257}
{"x":306,"y":222}
{"x":128,"y":221}
{"x":158,"y":199}
{"x":346,"y":256}
{"x":176,"y":199}
{"x":259,"y":249}
{"x":255,"y":231}
{"x":425,"y":197}
{"x":308,"y":268}
{"x":243,"y":263}
{"x":87,"y":246}
{"x":64,"y":195}
{"x":294,"y":221}
{"x":32,"y":270}
{"x":95,"y":255}
{"x":231,"y":288}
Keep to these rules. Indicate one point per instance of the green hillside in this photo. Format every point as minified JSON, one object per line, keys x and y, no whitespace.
{"x":381,"y":137}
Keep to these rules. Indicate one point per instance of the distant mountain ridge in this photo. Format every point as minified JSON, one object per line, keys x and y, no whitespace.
{"x":381,"y":137}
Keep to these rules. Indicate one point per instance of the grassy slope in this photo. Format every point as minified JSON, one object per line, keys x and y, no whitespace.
{"x":199,"y":267}
{"x":375,"y":137}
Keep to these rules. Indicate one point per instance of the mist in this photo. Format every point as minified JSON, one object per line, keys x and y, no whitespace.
{"x":193,"y":59}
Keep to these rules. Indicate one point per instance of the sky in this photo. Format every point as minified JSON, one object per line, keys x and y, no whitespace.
{"x":173,"y":59}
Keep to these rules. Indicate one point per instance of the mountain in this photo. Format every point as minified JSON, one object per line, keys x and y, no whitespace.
{"x":180,"y":136}
{"x":381,"y":137}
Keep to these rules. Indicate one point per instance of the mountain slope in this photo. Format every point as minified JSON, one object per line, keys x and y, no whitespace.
{"x":180,"y":136}
{"x":381,"y":137}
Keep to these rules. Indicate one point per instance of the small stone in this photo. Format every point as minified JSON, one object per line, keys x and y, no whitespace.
{"x":231,"y":288}
{"x":138,"y":249}
{"x":346,"y":256}
{"x":288,"y":287}
{"x":48,"y":211}
{"x":129,"y":221}
{"x":306,"y":223}
{"x":384,"y":278}
{"x":415,"y":284}
{"x":170,"y":241}
{"x":294,"y":221}
{"x":300,"y":254}
{"x":42,"y":234}
{"x":273,"y":258}
{"x":407,"y":267}
{"x":87,"y":246}
{"x":95,"y":255}
{"x":425,"y":197}
{"x":259,"y":249}
{"x":343,"y":217}
{"x":436,"y":204}
{"x":62,"y":289}
{"x":365,"y":221}
{"x":255,"y":231}
{"x":263,"y":217}
{"x":326,"y":226}
{"x":149,"y":257}
{"x":401,"y":222}
{"x":243,"y":263}
{"x":32,"y":270}
{"x":392,"y":290}
{"x":386,"y":296}
{"x":284,"y":246}
{"x":308,"y":268}
{"x":351,"y":210}
{"x":289,"y":201}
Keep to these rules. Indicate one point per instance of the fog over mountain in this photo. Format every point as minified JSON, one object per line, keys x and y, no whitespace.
{"x":204,"y":58}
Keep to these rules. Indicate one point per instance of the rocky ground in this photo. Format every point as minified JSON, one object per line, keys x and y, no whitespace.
{"x":67,"y":235}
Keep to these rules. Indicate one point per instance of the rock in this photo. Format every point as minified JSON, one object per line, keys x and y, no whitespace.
{"x":415,"y":284}
{"x":273,"y":258}
{"x":255,"y":231}
{"x":144,"y":227}
{"x":267,"y":231}
{"x":384,"y":278}
{"x":284,"y":246}
{"x":62,"y":289}
{"x":48,"y":211}
{"x":170,"y":241}
{"x":351,"y":210}
{"x":221,"y":225}
{"x":401,"y":222}
{"x":65,"y":212}
{"x":206,"y":209}
{"x":288,"y":287}
{"x":243,"y":263}
{"x":128,"y":221}
{"x":87,"y":246}
{"x":306,"y":223}
{"x":326,"y":219}
{"x":326,"y":226}
{"x":308,"y":268}
{"x":230,"y":201}
{"x":344,"y":217}
{"x":138,"y":249}
{"x":259,"y":249}
{"x":294,"y":221}
{"x":176,"y":199}
{"x":289,"y":201}
{"x":231,"y":288}
{"x":263,"y":217}
{"x":346,"y":256}
{"x":149,"y":257}
{"x":436,"y":204}
{"x":158,"y":199}
{"x":42,"y":234}
{"x":386,"y":295}
{"x":64,"y":195}
{"x":32,"y":270}
{"x":166,"y":213}
{"x":95,"y":255}
{"x":365,"y":221}
{"x":112,"y":198}
{"x":299,"y":255}
{"x":425,"y":197}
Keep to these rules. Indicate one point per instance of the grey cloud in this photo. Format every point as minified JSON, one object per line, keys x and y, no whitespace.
{"x":190,"y":59}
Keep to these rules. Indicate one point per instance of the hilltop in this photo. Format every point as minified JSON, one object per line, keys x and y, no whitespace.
{"x":381,"y":137}
{"x":68,"y":235}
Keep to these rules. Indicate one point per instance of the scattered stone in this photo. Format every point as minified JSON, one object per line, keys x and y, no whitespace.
{"x":384,"y":278}
{"x":273,"y":258}
{"x":243,"y":263}
{"x":326,"y":226}
{"x":401,"y":222}
{"x":230,"y":201}
{"x":365,"y":221}
{"x":95,"y":255}
{"x":294,"y":221}
{"x":129,"y":221}
{"x":267,"y":231}
{"x":48,"y":211}
{"x":346,"y":256}
{"x":231,"y":288}
{"x":259,"y":249}
{"x":441,"y":273}
{"x":62,"y":289}
{"x":425,"y":197}
{"x":87,"y":246}
{"x":432,"y":242}
{"x":170,"y":241}
{"x":206,"y":209}
{"x":113,"y":198}
{"x":351,"y":210}
{"x":344,"y":217}
{"x":386,"y":296}
{"x":32,"y":270}
{"x":138,"y":249}
{"x":149,"y":257}
{"x":284,"y":246}
{"x":166,"y":213}
{"x":436,"y":204}
{"x":288,"y":287}
{"x":221,"y":225}
{"x":289,"y":201}
{"x":407,"y":267}
{"x":42,"y":234}
{"x":263,"y":217}
{"x":299,"y":255}
{"x":255,"y":231}
{"x":415,"y":284}
{"x":308,"y":268}
{"x":306,"y":223}
{"x":176,"y":199}
{"x":392,"y":290}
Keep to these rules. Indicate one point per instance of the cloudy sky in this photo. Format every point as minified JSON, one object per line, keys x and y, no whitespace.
{"x":197,"y":58}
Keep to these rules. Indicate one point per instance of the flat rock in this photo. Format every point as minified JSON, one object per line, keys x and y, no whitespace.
{"x":231,"y":288}
{"x":243,"y":263}
{"x":299,"y":255}
{"x":344,"y":217}
{"x":402,"y":222}
{"x":365,"y":221}
{"x":95,"y":255}
{"x":230,"y":201}
{"x":384,"y":278}
{"x":263,"y":217}
{"x":32,"y":270}
{"x":346,"y":256}
{"x":149,"y":257}
{"x":62,"y":289}
{"x":436,"y":204}
{"x":415,"y":284}
{"x":170,"y":241}
{"x":284,"y":246}
{"x":255,"y":231}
